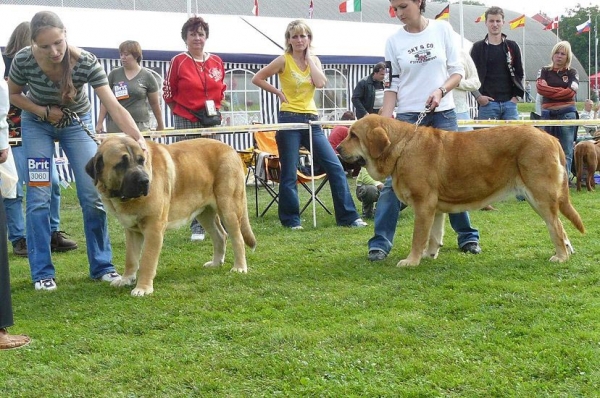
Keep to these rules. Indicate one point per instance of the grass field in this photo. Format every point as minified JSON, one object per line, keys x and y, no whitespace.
{"x":314,"y":318}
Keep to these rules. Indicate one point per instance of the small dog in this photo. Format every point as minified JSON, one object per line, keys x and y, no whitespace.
{"x":586,"y":156}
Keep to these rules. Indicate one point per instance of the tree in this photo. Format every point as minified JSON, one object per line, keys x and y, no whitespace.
{"x":580,"y":43}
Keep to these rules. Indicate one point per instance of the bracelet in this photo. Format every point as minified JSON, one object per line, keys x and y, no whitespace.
{"x":443,"y":90}
{"x":47,"y":115}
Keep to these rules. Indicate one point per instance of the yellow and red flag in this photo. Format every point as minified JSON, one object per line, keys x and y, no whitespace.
{"x":481,"y":18}
{"x":444,"y":14}
{"x":518,"y":22}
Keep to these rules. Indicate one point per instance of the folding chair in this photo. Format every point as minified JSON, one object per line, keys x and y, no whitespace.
{"x":267,"y":172}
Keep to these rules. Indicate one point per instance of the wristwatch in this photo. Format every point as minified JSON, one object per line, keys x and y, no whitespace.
{"x":443,"y":90}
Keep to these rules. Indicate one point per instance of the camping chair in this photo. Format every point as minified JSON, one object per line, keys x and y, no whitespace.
{"x":267,"y":172}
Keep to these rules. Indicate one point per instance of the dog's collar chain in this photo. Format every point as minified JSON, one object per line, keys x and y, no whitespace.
{"x":421,"y":116}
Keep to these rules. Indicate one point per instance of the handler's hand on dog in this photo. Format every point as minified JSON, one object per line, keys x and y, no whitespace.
{"x":142,"y":143}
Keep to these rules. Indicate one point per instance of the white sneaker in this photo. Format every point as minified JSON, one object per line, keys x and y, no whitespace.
{"x":111,"y":276}
{"x":197,"y":237}
{"x":198,"y":233}
{"x":358,"y":223}
{"x":45,"y":284}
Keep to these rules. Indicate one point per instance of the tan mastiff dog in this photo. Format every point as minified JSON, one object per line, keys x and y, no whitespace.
{"x":586,"y":156}
{"x":437,"y":172}
{"x":166,"y":188}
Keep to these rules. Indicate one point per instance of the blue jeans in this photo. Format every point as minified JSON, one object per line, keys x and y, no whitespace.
{"x":288,"y":144}
{"x":38,"y":142}
{"x":496,"y":110}
{"x":464,"y":116}
{"x":389,"y":206}
{"x":15,"y":219}
{"x":566,"y":135}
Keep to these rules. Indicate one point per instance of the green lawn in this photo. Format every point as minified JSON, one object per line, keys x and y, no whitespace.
{"x":314,"y":318}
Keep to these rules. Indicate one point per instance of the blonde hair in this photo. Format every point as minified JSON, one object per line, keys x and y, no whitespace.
{"x":566,"y":47}
{"x":296,"y":27}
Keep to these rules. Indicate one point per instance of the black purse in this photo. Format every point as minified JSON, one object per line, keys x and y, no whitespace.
{"x":205,"y":120}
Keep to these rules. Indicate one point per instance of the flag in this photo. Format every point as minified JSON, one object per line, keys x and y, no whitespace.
{"x":552,"y":25}
{"x":584,"y":27}
{"x":481,"y":18}
{"x":350,"y":6}
{"x":311,"y":9}
{"x":255,"y":8}
{"x":392,"y":12}
{"x":444,"y":14}
{"x":518,"y":22}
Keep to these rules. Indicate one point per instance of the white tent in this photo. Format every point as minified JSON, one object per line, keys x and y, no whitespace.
{"x":241,"y":39}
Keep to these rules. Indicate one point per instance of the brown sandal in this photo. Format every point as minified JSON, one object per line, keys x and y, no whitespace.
{"x":8,"y":341}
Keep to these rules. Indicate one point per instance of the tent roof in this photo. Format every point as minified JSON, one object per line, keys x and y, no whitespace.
{"x":235,"y":38}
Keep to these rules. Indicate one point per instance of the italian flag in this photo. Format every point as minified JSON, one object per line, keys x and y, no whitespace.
{"x":350,"y":6}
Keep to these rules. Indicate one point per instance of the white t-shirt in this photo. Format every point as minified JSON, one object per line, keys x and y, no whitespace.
{"x":423,"y":61}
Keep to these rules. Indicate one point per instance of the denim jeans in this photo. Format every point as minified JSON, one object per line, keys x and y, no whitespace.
{"x":389,"y":206}
{"x":15,"y":219}
{"x":38,"y":142}
{"x":496,"y":110}
{"x":566,"y":135}
{"x":464,"y":116}
{"x":288,"y":144}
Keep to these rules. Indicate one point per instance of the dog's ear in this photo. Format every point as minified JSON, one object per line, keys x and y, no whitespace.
{"x":94,"y":167}
{"x":377,"y":141}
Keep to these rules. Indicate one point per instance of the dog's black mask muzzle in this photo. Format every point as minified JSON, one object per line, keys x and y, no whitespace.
{"x":135,"y":184}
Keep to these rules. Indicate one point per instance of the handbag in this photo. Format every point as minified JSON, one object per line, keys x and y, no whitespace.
{"x":205,"y":120}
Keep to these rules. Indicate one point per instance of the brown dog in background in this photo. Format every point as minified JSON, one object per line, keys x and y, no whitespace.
{"x":166,"y":188}
{"x":587,"y":156}
{"x":437,"y":171}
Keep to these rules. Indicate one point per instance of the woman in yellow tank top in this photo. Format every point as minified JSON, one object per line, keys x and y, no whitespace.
{"x":300,"y":73}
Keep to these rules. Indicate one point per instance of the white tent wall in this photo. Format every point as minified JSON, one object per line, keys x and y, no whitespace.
{"x":245,"y":43}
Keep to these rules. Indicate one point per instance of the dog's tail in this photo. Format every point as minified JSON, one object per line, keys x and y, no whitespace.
{"x":247,"y":232}
{"x":567,"y":209}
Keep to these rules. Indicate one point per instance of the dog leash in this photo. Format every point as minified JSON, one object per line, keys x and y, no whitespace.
{"x":67,"y":119}
{"x":421,"y":116}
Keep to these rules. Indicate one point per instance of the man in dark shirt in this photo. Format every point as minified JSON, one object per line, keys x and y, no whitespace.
{"x":500,"y":69}
{"x":368,"y":93}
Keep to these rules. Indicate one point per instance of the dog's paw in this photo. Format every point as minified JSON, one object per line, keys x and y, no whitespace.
{"x":213,"y":264}
{"x":138,"y":291}
{"x":241,"y":270}
{"x":407,"y":263}
{"x":556,"y":259}
{"x":431,"y":253}
{"x":123,"y":281}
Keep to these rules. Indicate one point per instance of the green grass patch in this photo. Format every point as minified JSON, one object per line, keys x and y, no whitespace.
{"x":314,"y":318}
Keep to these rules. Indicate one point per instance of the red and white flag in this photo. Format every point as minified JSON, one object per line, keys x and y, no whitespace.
{"x":552,"y":25}
{"x":255,"y":8}
{"x":311,"y":9}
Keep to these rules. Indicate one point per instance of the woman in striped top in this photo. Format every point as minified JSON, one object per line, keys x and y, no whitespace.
{"x":56,"y":108}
